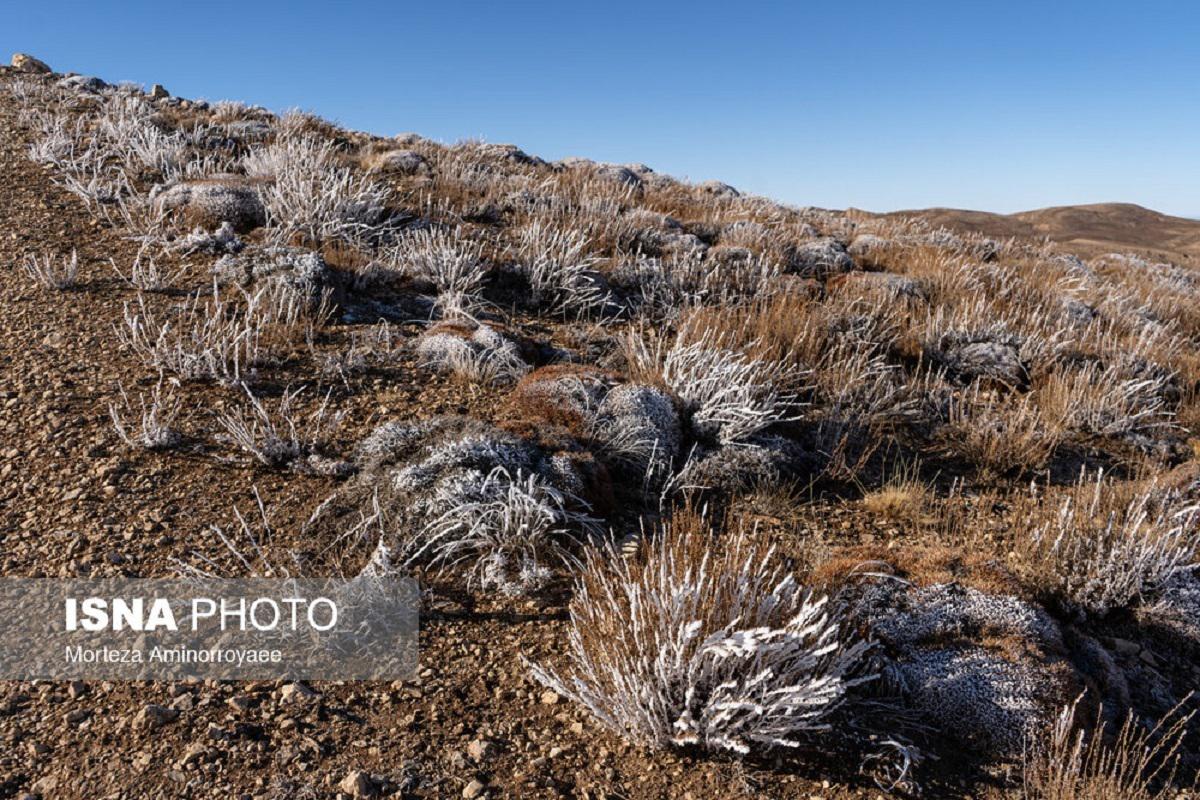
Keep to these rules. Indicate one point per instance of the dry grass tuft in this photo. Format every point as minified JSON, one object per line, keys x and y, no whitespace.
{"x":1136,"y":764}
{"x":1107,"y":545}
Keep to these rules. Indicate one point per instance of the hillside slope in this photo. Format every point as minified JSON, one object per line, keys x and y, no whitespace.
{"x":1088,"y":229}
{"x":709,"y":496}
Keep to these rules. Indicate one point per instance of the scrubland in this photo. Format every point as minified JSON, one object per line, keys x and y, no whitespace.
{"x":803,"y":496}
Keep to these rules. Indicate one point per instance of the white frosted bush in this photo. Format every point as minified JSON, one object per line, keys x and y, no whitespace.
{"x":683,"y":644}
{"x":504,"y":530}
{"x":1101,"y":551}
{"x":309,"y":193}
{"x":730,"y":395}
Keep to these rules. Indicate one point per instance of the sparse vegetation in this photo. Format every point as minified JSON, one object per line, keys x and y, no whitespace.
{"x":279,"y":435}
{"x":549,"y":367}
{"x":50,"y":272}
{"x":1108,"y":546}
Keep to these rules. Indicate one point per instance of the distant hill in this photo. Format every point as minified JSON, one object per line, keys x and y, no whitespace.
{"x":1088,"y":229}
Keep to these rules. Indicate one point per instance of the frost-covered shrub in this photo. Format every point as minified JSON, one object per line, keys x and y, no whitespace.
{"x":279,"y":435}
{"x":216,"y":201}
{"x":638,"y":425}
{"x":222,"y":241}
{"x":503,"y":531}
{"x":482,"y":355}
{"x":760,"y":461}
{"x":819,"y":258}
{"x":450,"y":260}
{"x":986,"y":670}
{"x":1105,"y":548}
{"x":151,"y":425}
{"x":560,"y":271}
{"x":464,"y":497}
{"x":689,"y":643}
{"x":213,"y":339}
{"x":306,"y":191}
{"x":728,"y":396}
{"x":50,"y":272}
{"x":630,"y":424}
{"x":292,"y":272}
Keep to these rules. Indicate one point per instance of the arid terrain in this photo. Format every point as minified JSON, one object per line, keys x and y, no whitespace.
{"x":709,"y":496}
{"x":1090,"y":230}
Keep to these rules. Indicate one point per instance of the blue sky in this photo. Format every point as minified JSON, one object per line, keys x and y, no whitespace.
{"x":1001,"y":106}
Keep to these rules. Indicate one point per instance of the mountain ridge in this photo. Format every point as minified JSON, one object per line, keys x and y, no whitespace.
{"x":1092,"y":229}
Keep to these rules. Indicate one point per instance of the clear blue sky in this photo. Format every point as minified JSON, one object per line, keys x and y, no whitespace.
{"x":1001,"y":106}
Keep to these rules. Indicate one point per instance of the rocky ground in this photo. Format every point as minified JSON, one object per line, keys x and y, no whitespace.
{"x":76,"y":501}
{"x":77,"y":504}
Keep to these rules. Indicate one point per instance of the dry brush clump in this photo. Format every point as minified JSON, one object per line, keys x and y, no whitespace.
{"x":151,"y":424}
{"x":480,"y":355}
{"x":51,"y":272}
{"x":1106,"y":546}
{"x":279,"y":435}
{"x":504,"y":531}
{"x":209,"y":340}
{"x":1134,"y":763}
{"x":449,"y":259}
{"x":702,"y":642}
{"x":308,"y":193}
{"x":727,"y":394}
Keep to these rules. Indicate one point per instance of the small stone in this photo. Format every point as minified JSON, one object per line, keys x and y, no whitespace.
{"x":358,"y":784}
{"x":194,"y":752}
{"x":45,"y":786}
{"x":473,"y":789}
{"x":296,"y":691}
{"x":240,"y":703}
{"x":480,"y":750}
{"x":155,"y":716}
{"x":158,"y":92}
{"x":77,"y":689}
{"x":550,"y":698}
{"x":78,"y":716}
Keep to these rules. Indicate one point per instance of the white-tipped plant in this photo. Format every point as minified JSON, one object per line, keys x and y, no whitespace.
{"x":246,"y":546}
{"x":281,"y":435}
{"x":308,"y":193}
{"x":151,"y":424}
{"x":559,"y":269}
{"x":449,"y":260}
{"x":729,"y":394}
{"x":1108,"y":402}
{"x":145,"y":272}
{"x":693,"y":643}
{"x":1138,"y":763}
{"x":504,"y":531}
{"x":51,"y":272}
{"x":485,"y":357}
{"x":1107,"y":549}
{"x":213,"y":340}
